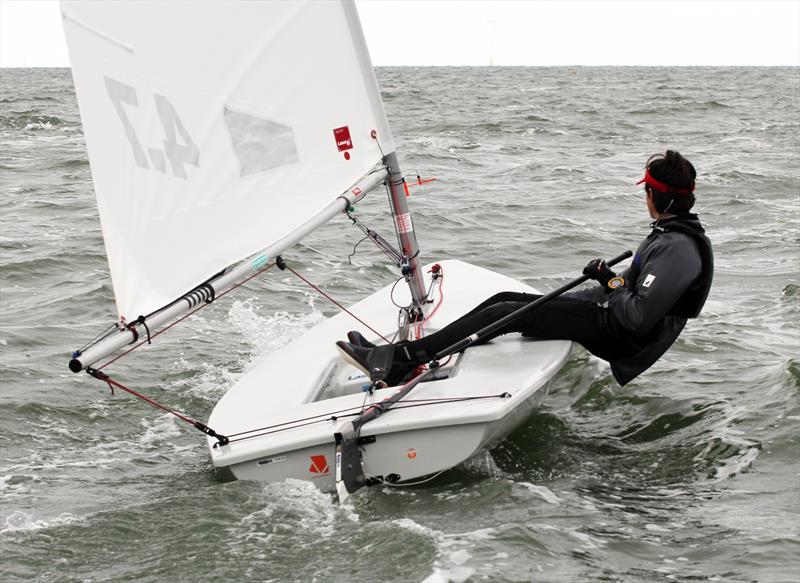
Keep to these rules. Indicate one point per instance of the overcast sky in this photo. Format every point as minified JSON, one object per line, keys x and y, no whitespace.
{"x":516,"y":32}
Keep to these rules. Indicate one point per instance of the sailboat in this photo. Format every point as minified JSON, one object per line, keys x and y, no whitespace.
{"x":219,"y":135}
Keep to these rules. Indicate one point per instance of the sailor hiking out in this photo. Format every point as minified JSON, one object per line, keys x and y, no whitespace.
{"x":630,"y":320}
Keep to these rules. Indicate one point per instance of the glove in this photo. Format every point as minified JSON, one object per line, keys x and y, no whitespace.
{"x":598,"y":270}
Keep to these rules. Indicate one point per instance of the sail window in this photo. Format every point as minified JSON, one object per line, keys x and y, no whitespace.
{"x":260,"y":144}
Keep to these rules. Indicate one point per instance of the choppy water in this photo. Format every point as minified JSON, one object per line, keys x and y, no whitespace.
{"x":690,"y":473}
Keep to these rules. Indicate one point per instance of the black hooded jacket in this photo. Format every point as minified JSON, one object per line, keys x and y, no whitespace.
{"x":668,"y":282}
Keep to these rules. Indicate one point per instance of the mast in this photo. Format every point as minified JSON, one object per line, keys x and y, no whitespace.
{"x":405,"y":233}
{"x":382,"y":135}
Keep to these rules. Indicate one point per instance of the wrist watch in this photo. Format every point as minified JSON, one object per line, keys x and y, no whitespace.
{"x":615,"y":282}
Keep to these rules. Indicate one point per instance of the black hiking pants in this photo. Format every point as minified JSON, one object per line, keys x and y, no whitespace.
{"x":561,"y":318}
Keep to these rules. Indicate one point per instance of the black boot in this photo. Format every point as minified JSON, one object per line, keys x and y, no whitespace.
{"x":355,"y":355}
{"x":405,"y":363}
{"x":377,"y":362}
{"x":357,"y":339}
{"x":391,"y":363}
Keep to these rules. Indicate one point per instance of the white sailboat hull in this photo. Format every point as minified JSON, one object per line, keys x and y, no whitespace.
{"x":282,"y":415}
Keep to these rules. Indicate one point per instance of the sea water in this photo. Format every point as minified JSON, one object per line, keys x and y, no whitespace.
{"x":690,"y":473}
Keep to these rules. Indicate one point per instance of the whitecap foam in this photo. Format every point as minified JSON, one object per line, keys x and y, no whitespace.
{"x":589,"y":542}
{"x":157,"y":430}
{"x":736,"y":464}
{"x":483,"y":463}
{"x":19,"y":521}
{"x":454,"y":575}
{"x":38,"y":126}
{"x":452,"y":550}
{"x":17,"y":485}
{"x":268,"y":333}
{"x":544,"y":493}
{"x":314,"y":510}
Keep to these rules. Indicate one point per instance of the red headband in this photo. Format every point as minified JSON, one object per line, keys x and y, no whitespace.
{"x":661,"y":187}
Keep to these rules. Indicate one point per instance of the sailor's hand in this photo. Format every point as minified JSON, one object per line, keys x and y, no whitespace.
{"x":598,"y":270}
{"x":595,"y":269}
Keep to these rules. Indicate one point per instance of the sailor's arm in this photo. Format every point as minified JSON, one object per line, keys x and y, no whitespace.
{"x":668,"y":268}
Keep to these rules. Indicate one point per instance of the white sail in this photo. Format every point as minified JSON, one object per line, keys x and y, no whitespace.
{"x":216,"y":128}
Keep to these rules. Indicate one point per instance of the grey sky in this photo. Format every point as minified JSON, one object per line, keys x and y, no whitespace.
{"x":517,"y":32}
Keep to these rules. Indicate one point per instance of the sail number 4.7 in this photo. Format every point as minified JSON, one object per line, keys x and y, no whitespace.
{"x":179,"y":153}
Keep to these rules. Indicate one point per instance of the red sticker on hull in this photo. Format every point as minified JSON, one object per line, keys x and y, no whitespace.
{"x":319,"y":465}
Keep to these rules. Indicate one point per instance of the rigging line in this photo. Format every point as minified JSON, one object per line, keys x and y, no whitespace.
{"x":391,"y":294}
{"x":332,"y":416}
{"x":182,"y":318}
{"x":340,"y":306}
{"x":380,"y":480}
{"x":286,"y":428}
{"x":305,"y":422}
{"x":222,"y":440}
{"x":350,"y":257}
{"x":394,"y":256}
{"x":443,"y":400}
{"x":440,"y":273}
{"x":101,"y":336}
{"x":363,"y":409}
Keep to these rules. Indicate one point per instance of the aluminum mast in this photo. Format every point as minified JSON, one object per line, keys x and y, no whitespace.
{"x":405,"y":232}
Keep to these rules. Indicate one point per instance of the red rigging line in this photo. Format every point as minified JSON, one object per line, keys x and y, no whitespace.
{"x":337,"y":304}
{"x":438,"y":273}
{"x":221,"y":439}
{"x":420,"y":182}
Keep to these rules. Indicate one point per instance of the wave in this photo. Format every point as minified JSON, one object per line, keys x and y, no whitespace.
{"x":74,"y":163}
{"x":793,"y":370}
{"x":685,"y":106}
{"x":19,"y":521}
{"x":30,"y":122}
{"x":27,"y":98}
{"x":664,"y":425}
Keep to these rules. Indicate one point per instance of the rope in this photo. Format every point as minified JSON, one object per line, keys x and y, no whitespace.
{"x":222,"y":440}
{"x":335,"y":415}
{"x":337,"y":304}
{"x":440,"y":273}
{"x":380,"y":480}
{"x":96,"y":372}
{"x":332,"y":416}
{"x":101,"y":336}
{"x":263,"y":433}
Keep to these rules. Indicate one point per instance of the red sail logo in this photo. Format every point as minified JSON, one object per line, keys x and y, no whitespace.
{"x":342,"y":137}
{"x":319,"y":465}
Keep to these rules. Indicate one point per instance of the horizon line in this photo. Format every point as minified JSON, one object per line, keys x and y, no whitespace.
{"x":494,"y":66}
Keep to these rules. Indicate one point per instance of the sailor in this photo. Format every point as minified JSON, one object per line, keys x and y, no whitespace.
{"x":629,"y":320}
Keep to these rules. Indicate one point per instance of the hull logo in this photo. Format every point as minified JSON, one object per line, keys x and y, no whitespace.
{"x":319,"y":466}
{"x":411,"y":453}
{"x":272,"y":460}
